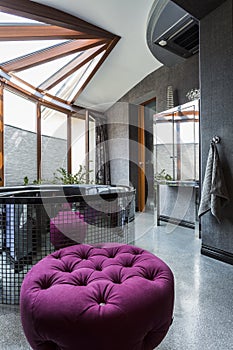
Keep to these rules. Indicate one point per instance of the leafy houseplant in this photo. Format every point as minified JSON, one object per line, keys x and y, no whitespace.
{"x":81,"y":177}
{"x":162,"y":175}
{"x":61,"y":175}
{"x":25,"y":180}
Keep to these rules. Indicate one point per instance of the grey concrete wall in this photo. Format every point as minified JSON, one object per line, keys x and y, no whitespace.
{"x":216,"y":52}
{"x":182,"y":77}
{"x":21,"y":155}
{"x":54,"y":156}
{"x":118,"y":135}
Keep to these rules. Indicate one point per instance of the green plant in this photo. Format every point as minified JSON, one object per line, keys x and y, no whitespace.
{"x":162,"y":175}
{"x":36,"y":182}
{"x":61,"y":175}
{"x":25,"y":180}
{"x":81,"y":177}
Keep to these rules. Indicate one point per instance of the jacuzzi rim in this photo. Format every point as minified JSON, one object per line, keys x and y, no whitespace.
{"x":21,"y":194}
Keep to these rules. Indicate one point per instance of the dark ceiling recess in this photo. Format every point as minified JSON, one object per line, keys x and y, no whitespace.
{"x":199,"y":8}
{"x":172,"y":33}
{"x":173,"y":28}
{"x":182,"y":38}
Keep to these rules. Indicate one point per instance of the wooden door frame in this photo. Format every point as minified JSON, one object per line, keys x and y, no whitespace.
{"x":142,"y":155}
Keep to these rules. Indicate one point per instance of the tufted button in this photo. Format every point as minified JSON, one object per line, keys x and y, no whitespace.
{"x":82,"y":283}
{"x":116,"y":281}
{"x":77,"y":255}
{"x":45,"y":284}
{"x":84,"y":257}
{"x":80,"y":280}
{"x":150,"y":278}
{"x":56,"y":255}
{"x":136,"y":252}
{"x":128,"y":264}
{"x":101,"y":300}
{"x":66,"y":269}
{"x":98,"y":268}
{"x":149,"y":275}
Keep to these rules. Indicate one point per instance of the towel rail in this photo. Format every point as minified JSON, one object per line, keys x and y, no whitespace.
{"x":215,"y":139}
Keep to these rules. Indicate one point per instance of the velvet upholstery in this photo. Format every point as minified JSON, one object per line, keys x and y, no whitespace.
{"x":114,"y":297}
{"x":67,"y":228}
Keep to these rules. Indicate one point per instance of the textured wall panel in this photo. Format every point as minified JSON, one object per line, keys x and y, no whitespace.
{"x":216,"y":52}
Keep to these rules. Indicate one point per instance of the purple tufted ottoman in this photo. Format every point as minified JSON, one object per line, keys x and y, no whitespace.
{"x":89,"y":298}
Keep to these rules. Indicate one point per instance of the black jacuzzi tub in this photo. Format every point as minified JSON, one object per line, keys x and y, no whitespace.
{"x":36,"y":220}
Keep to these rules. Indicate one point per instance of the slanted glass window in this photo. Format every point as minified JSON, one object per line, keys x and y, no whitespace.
{"x":15,"y":49}
{"x":7,"y":18}
{"x":37,"y":75}
{"x":83,"y":77}
{"x":50,"y":58}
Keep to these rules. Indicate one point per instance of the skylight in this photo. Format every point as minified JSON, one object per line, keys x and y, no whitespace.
{"x":13,"y":49}
{"x":6,"y":18}
{"x":37,"y":75}
{"x":52,"y":59}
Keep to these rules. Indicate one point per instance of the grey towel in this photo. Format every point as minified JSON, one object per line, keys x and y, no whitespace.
{"x":214,"y":192}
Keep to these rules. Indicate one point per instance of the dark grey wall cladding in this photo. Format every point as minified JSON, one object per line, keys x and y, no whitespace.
{"x":216,"y":52}
{"x":118,"y":135}
{"x":182,"y":77}
{"x":21,"y":155}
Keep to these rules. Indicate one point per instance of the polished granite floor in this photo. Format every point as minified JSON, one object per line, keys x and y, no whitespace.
{"x":203,"y":315}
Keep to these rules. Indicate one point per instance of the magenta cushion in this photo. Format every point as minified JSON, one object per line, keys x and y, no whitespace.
{"x":67,"y":228}
{"x":97,"y":298}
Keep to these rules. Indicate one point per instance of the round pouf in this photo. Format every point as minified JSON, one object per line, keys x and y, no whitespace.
{"x":97,"y":298}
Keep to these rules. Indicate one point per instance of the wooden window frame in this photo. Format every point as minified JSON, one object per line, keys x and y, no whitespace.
{"x":58,"y":25}
{"x":91,"y":34}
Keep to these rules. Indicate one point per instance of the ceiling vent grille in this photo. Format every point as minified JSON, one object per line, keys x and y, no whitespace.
{"x":182,"y":38}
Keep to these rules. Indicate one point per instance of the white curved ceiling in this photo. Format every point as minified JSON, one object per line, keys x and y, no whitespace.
{"x":129,"y":62}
